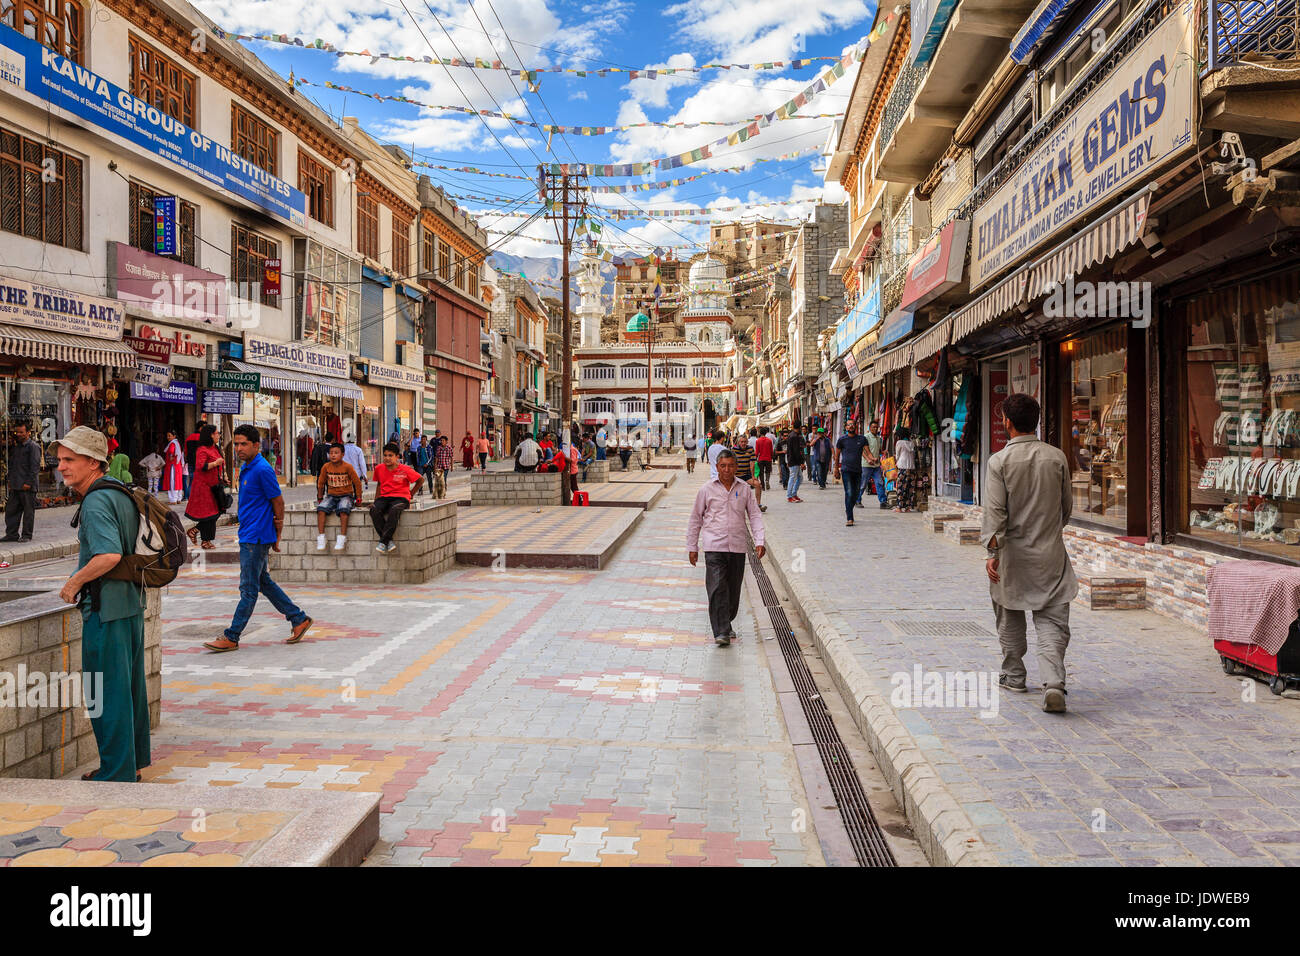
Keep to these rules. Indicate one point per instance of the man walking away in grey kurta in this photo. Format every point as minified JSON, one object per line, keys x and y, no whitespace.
{"x":1027,"y":504}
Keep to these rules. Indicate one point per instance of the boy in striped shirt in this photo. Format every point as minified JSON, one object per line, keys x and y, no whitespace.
{"x":747,"y":467}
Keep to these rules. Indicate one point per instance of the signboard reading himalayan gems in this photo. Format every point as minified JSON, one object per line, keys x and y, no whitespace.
{"x":1138,"y":117}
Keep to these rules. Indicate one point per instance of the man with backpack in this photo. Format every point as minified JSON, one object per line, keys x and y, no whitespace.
{"x":261,"y":519}
{"x":112,"y":609}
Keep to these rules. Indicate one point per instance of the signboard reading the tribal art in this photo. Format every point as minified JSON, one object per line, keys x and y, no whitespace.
{"x":1135,"y":119}
{"x":298,"y":356}
{"x":56,"y":310}
{"x":89,"y":97}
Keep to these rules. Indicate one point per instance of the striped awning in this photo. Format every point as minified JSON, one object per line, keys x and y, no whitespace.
{"x":284,"y":380}
{"x":932,"y":340}
{"x":1106,"y":237}
{"x":999,"y":300}
{"x":61,"y":347}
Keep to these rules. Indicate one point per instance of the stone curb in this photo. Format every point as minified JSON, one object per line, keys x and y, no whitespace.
{"x":61,"y":549}
{"x":942,"y":827}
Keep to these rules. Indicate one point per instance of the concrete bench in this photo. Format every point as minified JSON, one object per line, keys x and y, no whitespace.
{"x":1100,"y":589}
{"x":512,"y":489}
{"x":597,"y":473}
{"x":425,"y":539}
{"x":961,"y":533}
{"x":938,"y":521}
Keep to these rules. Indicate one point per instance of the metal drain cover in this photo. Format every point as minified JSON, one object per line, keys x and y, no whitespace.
{"x":915,"y":628}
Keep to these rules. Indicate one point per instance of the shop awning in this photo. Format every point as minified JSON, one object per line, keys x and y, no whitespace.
{"x":1041,"y":26}
{"x":931,"y":341}
{"x":61,"y":347}
{"x":284,"y":380}
{"x":1106,"y":237}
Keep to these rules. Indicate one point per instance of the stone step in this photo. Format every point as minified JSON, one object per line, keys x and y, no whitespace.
{"x":961,"y":533}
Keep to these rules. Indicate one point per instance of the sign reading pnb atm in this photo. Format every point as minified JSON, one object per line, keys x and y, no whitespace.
{"x":88,"y":96}
{"x":1136,"y":118}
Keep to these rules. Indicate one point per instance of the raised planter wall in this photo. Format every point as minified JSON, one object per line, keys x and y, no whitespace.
{"x":516,"y":489}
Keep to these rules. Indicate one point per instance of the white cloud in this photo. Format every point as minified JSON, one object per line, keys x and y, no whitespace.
{"x":655,"y":92}
{"x":760,"y":30}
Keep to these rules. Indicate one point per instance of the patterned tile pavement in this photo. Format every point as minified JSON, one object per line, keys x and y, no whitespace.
{"x":1161,"y":760}
{"x":515,"y":717}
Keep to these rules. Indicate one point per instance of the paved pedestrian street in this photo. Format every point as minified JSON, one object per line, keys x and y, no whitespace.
{"x":507,"y":717}
{"x":1162,"y":759}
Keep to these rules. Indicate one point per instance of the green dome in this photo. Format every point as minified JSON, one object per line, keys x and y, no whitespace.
{"x":638,"y":323}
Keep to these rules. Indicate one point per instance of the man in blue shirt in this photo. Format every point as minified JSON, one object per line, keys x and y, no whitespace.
{"x":261,"y":519}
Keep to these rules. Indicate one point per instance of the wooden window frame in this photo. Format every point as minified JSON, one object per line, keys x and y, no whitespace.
{"x":316,"y":182}
{"x":248,"y":246}
{"x":140,"y":230}
{"x":254,"y":139}
{"x":401,"y":231}
{"x":368,"y":227}
{"x":428,"y":250}
{"x":162,"y":82}
{"x":444,"y":260}
{"x":68,"y":26}
{"x":28,"y":201}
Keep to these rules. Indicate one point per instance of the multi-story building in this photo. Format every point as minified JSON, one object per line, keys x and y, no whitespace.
{"x":168,"y":196}
{"x":691,"y":386}
{"x":519,"y":318}
{"x":453,"y":250}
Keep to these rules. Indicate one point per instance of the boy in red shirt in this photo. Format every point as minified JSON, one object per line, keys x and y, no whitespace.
{"x":395,"y":483}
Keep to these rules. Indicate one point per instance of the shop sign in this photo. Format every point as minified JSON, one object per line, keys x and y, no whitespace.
{"x":222,"y":402}
{"x":271,"y":277}
{"x":850,"y":364}
{"x":897,"y":325}
{"x":395,"y":376}
{"x":186,"y":348}
{"x":54,"y":79}
{"x":235,"y":381}
{"x":936,"y":267}
{"x":180,"y":392}
{"x":1133,"y":121}
{"x":297,"y":356}
{"x":164,"y":225}
{"x":523,"y":418}
{"x":167,"y":288}
{"x":151,"y":373}
{"x":57,"y":310}
{"x":864,"y":317}
{"x":153,"y":350}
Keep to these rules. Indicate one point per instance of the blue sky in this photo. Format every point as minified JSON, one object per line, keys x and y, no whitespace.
{"x":578,"y":35}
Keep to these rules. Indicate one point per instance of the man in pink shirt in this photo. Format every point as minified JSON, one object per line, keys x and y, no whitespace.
{"x":718,"y":523}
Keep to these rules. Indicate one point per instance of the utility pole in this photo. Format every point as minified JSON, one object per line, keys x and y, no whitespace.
{"x":562,"y":192}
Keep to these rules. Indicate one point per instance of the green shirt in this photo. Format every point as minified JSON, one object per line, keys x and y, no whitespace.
{"x":109,"y":524}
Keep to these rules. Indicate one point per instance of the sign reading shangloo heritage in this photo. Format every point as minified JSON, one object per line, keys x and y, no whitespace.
{"x":296,"y":356}
{"x":56,"y":310}
{"x":1135,"y":119}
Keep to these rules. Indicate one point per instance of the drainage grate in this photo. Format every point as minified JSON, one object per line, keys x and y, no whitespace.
{"x":865,"y":835}
{"x":914,"y":628}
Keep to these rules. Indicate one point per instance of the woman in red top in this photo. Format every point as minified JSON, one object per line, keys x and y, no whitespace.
{"x":467,"y":451}
{"x":202,"y":507}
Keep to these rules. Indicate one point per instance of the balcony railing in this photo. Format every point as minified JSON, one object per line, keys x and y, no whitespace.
{"x":1239,"y":31}
{"x":905,"y":86}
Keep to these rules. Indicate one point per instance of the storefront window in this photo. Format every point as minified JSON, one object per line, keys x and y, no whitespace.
{"x":45,"y":406}
{"x":1094,"y":416}
{"x":1243,"y":402}
{"x":370,"y":424}
{"x":264,"y":412}
{"x":331,"y":298}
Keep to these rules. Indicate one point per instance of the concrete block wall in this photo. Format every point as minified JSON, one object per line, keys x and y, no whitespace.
{"x":516,"y":489}
{"x":597,"y":473}
{"x":39,"y":634}
{"x":425,"y":539}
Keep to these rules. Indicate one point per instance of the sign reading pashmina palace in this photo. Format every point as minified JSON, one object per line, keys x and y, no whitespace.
{"x":70,"y":87}
{"x":1134,"y":120}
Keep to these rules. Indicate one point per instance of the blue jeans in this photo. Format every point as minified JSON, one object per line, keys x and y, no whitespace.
{"x":600,"y":453}
{"x":879,"y":476}
{"x":796,"y":476}
{"x":852,"y":490}
{"x":254,"y":579}
{"x":185,"y":483}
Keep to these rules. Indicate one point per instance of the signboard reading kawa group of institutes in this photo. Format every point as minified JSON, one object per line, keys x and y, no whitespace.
{"x":65,"y":84}
{"x":1135,"y":119}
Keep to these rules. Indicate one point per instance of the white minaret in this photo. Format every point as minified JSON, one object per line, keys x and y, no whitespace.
{"x":590,"y":310}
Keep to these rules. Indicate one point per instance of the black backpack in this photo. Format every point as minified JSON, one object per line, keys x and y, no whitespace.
{"x":160,"y":544}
